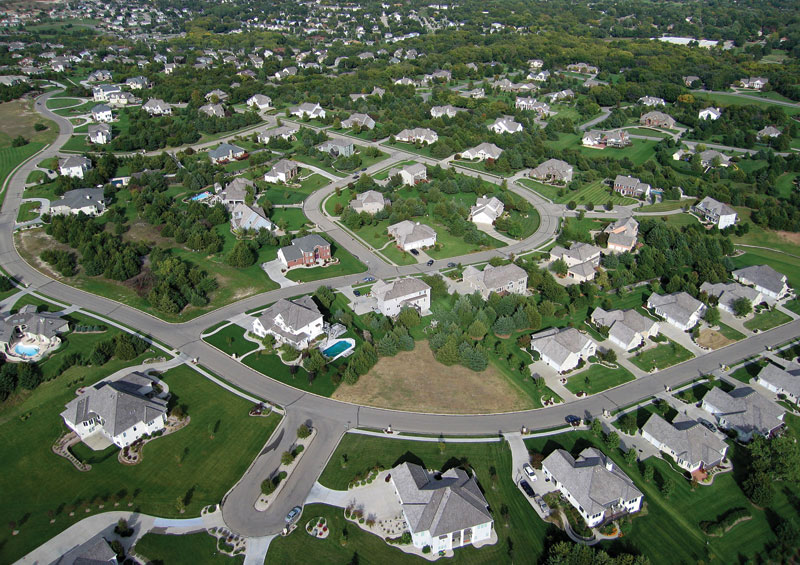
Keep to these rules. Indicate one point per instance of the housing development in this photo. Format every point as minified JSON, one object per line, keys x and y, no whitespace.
{"x":359,"y":282}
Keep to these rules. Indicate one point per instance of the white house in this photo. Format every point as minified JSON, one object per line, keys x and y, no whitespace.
{"x":716,"y":212}
{"x":756,"y":83}
{"x":308,"y":109}
{"x":121,"y":98}
{"x":482,"y":152}
{"x":443,"y":511}
{"x":157,"y":107}
{"x":713,"y":158}
{"x":503,"y":279}
{"x":626,"y":328}
{"x":652,"y":101}
{"x":412,"y":235}
{"x":563,"y":349}
{"x":402,"y":293}
{"x":101,"y":92}
{"x":622,"y":235}
{"x":553,"y":170}
{"x":361,"y":120}
{"x":506,"y":124}
{"x":286,"y":132}
{"x":690,"y":444}
{"x":785,"y":381}
{"x":597,"y":488}
{"x":679,"y":309}
{"x":486,"y":210}
{"x":417,"y":135}
{"x":410,"y":174}
{"x":769,"y":132}
{"x":447,"y":110}
{"x":99,"y":134}
{"x":102,"y":113}
{"x":710,"y":113}
{"x":282,"y":171}
{"x":369,"y":202}
{"x":728,"y":293}
{"x":212,"y":110}
{"x":260,"y":101}
{"x":74,"y":166}
{"x":766,"y":280}
{"x":531,"y":104}
{"x":295,"y":322}
{"x":122,"y":411}
{"x":744,"y":411}
{"x":30,"y":326}
{"x":244,"y":217}
{"x":89,"y":201}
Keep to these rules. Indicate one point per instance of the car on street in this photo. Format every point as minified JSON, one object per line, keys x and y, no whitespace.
{"x":369,"y":279}
{"x":529,"y":471}
{"x":414,"y":252}
{"x":357,"y":292}
{"x":355,"y":176}
{"x":573,"y":420}
{"x":451,"y":265}
{"x":527,"y":488}
{"x":293,"y":514}
{"x":430,"y":262}
{"x":364,"y":169}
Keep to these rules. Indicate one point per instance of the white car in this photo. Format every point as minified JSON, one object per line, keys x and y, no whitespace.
{"x":529,"y":471}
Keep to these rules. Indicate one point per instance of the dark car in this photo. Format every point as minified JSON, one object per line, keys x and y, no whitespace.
{"x":414,"y":252}
{"x":573,"y":420}
{"x":357,"y":292}
{"x":430,"y":262}
{"x":527,"y":488}
{"x":451,"y":265}
{"x":364,"y":169}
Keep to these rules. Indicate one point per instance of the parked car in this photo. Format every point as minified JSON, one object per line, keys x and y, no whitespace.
{"x":414,"y":252}
{"x":293,"y":514}
{"x":451,"y":265}
{"x":430,"y":262}
{"x":529,"y":471}
{"x":364,"y":169}
{"x":542,"y":505}
{"x":527,"y":488}
{"x":573,"y":420}
{"x":357,"y":292}
{"x":369,"y":279}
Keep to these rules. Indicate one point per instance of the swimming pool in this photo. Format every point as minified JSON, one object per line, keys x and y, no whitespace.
{"x":26,"y":350}
{"x":201,"y":196}
{"x":337,"y":349}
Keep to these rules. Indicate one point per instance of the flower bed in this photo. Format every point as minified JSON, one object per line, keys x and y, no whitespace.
{"x":318,"y":528}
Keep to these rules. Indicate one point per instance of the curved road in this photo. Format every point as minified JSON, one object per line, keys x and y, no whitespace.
{"x":330,"y":417}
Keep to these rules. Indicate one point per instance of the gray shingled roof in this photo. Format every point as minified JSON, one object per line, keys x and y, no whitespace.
{"x":398,"y":288}
{"x":710,"y":205}
{"x":679,"y":306}
{"x":442,"y":505}
{"x":559,"y":344}
{"x":494,"y":277}
{"x":763,"y":276}
{"x":788,"y":380}
{"x":745,"y":409}
{"x":42,"y":323}
{"x":687,"y":438}
{"x":80,"y":197}
{"x":303,"y":244}
{"x":295,"y":314}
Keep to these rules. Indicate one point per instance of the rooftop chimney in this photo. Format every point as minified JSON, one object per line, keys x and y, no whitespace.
{"x":609,"y":464}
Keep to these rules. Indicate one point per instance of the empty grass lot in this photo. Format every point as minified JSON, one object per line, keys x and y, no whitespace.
{"x":661,"y":356}
{"x":10,"y":157}
{"x":18,"y":117}
{"x":640,"y":151}
{"x":598,"y":378}
{"x":58,"y":103}
{"x":231,"y":340}
{"x":664,"y":206}
{"x":278,"y":194}
{"x":595,"y":193}
{"x":294,"y":218}
{"x":766,"y":320}
{"x":198,"y":463}
{"x":733,"y":100}
{"x":188,"y":549}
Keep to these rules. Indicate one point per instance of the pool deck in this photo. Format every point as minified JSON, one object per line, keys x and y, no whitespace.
{"x":344,"y":352}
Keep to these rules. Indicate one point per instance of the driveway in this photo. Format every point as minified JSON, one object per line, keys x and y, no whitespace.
{"x":273,"y":269}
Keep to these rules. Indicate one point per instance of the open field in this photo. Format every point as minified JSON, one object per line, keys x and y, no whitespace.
{"x":787,"y":242}
{"x":188,"y":549}
{"x":661,"y":356}
{"x":595,"y":193}
{"x":786,"y":184}
{"x":10,"y":157}
{"x":597,"y":378}
{"x":18,"y":118}
{"x":58,"y":103}
{"x":733,"y":100}
{"x":278,"y":194}
{"x":640,"y":151}
{"x":665,"y":206}
{"x":404,"y":382}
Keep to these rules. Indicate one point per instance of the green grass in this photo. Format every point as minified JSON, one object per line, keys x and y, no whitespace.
{"x":35,"y":177}
{"x":294,"y":217}
{"x":549,"y":192}
{"x":793,"y":305}
{"x":733,"y":100}
{"x":730,"y":333}
{"x":202,"y":460}
{"x":384,"y":174}
{"x":596,"y":193}
{"x":480,"y":166}
{"x":78,"y":144}
{"x":58,"y":103}
{"x":188,"y":549}
{"x":529,"y":222}
{"x":84,"y":108}
{"x":343,"y":198}
{"x":26,"y":212}
{"x":599,"y":378}
{"x":278,"y":194}
{"x":231,"y":340}
{"x":661,"y":356}
{"x":640,"y":151}
{"x":748,"y":371}
{"x":767,"y":320}
{"x":695,"y":394}
{"x":10,"y":157}
{"x":425,"y":151}
{"x":270,"y":365}
{"x":647,"y":132}
{"x":664,"y":206}
{"x":784,"y":264}
{"x":786,"y":184}
{"x":347,"y":265}
{"x":761,"y":237}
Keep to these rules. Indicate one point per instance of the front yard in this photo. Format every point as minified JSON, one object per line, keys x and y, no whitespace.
{"x":766,"y":320}
{"x":597,"y":378}
{"x":661,"y":356}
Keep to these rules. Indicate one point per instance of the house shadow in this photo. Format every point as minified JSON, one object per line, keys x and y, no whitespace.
{"x":408,"y":457}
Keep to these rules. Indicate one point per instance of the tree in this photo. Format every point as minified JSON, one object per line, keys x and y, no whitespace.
{"x":287,"y":457}
{"x":667,"y":487}
{"x":559,"y":267}
{"x":408,"y":317}
{"x":303,"y":431}
{"x":648,"y":474}
{"x":315,"y":361}
{"x":612,"y":440}
{"x":29,"y":375}
{"x":477,"y":330}
{"x":19,"y":141}
{"x":712,"y":316}
{"x":630,"y":456}
{"x":503,"y":326}
{"x":241,"y":255}
{"x":758,"y":488}
{"x":596,"y":427}
{"x":325,"y":296}
{"x":742,"y":306}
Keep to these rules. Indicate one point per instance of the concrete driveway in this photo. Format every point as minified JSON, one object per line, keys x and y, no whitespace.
{"x":273,"y":269}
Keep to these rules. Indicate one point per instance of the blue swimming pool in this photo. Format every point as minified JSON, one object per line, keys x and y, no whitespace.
{"x":26,"y":350}
{"x":336,"y":349}
{"x":201,"y":196}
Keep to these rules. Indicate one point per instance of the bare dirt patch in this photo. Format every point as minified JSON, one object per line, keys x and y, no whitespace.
{"x":713,"y":339}
{"x":142,"y":231}
{"x":789,"y":237}
{"x":415,"y":381}
{"x":31,"y":243}
{"x":18,"y":117}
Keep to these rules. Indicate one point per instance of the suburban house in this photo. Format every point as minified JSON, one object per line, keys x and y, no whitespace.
{"x":121,"y":98}
{"x":369,"y":202}
{"x":443,"y":511}
{"x":99,"y":134}
{"x":566,"y":94}
{"x":74,"y":166}
{"x":679,"y":309}
{"x":657,"y":120}
{"x":713,"y":158}
{"x":220,"y":95}
{"x":308,"y":109}
{"x":102,"y":113}
{"x":506,"y":124}
{"x":448,"y":110}
{"x":337,"y":148}
{"x":689,"y":80}
{"x":260,"y":101}
{"x":483,"y":152}
{"x":212,"y":110}
{"x":626,"y":328}
{"x":602,"y":139}
{"x":717,"y":213}
{"x":101,"y":75}
{"x":417,"y":135}
{"x":563,"y":349}
{"x":541,"y":76}
{"x":402,"y":293}
{"x":31,"y":327}
{"x":785,"y":381}
{"x":581,"y":259}
{"x":530,"y":103}
{"x":651,"y":101}
{"x":412,"y":235}
{"x":101,"y":92}
{"x":769,"y":132}
{"x":410,"y":174}
{"x":157,"y":107}
{"x":766,"y":280}
{"x":122,"y":411}
{"x":475,"y":93}
{"x":286,"y":132}
{"x":137,"y":83}
{"x":282,"y":171}
{"x":96,"y":551}
{"x":553,"y":170}
{"x":583,"y":68}
{"x":744,"y":411}
{"x":710,"y":113}
{"x":756,"y":83}
{"x":295,"y":322}
{"x":622,"y":235}
{"x":728,"y":293}
{"x":225,"y":152}
{"x":307,"y":250}
{"x":486,"y":210}
{"x":89,"y":201}
{"x":631,"y":186}
{"x":244,"y":218}
{"x":361,"y":120}
{"x":692,"y":446}
{"x":503,"y":279}
{"x":235,"y":193}
{"x":600,"y":490}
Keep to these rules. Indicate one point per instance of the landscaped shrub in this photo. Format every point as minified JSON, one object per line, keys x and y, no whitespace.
{"x":725,"y":521}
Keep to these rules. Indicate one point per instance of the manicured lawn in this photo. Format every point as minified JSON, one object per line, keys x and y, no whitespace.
{"x":231,"y":340}
{"x":84,"y":108}
{"x":767,"y":320}
{"x":640,"y":151}
{"x":10,"y":157}
{"x":343,"y":198}
{"x":661,"y":356}
{"x":793,"y":305}
{"x":347,"y":265}
{"x":188,"y":549}
{"x":200,"y":462}
{"x":78,"y":144}
{"x":733,"y":100}
{"x":695,"y":394}
{"x":294,"y":218}
{"x":278,"y":194}
{"x":270,"y":365}
{"x":479,"y":166}
{"x":748,"y":371}
{"x":595,"y":193}
{"x":786,"y":184}
{"x":761,"y":237}
{"x":598,"y":378}
{"x":647,"y":132}
{"x":664,"y":206}
{"x":26,"y":212}
{"x":530,"y":221}
{"x":730,"y":333}
{"x":57,"y":103}
{"x":35,"y":177}
{"x":781,"y":262}
{"x":425,"y":150}
{"x":549,"y":192}
{"x":317,"y":162}
{"x":384,"y":174}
